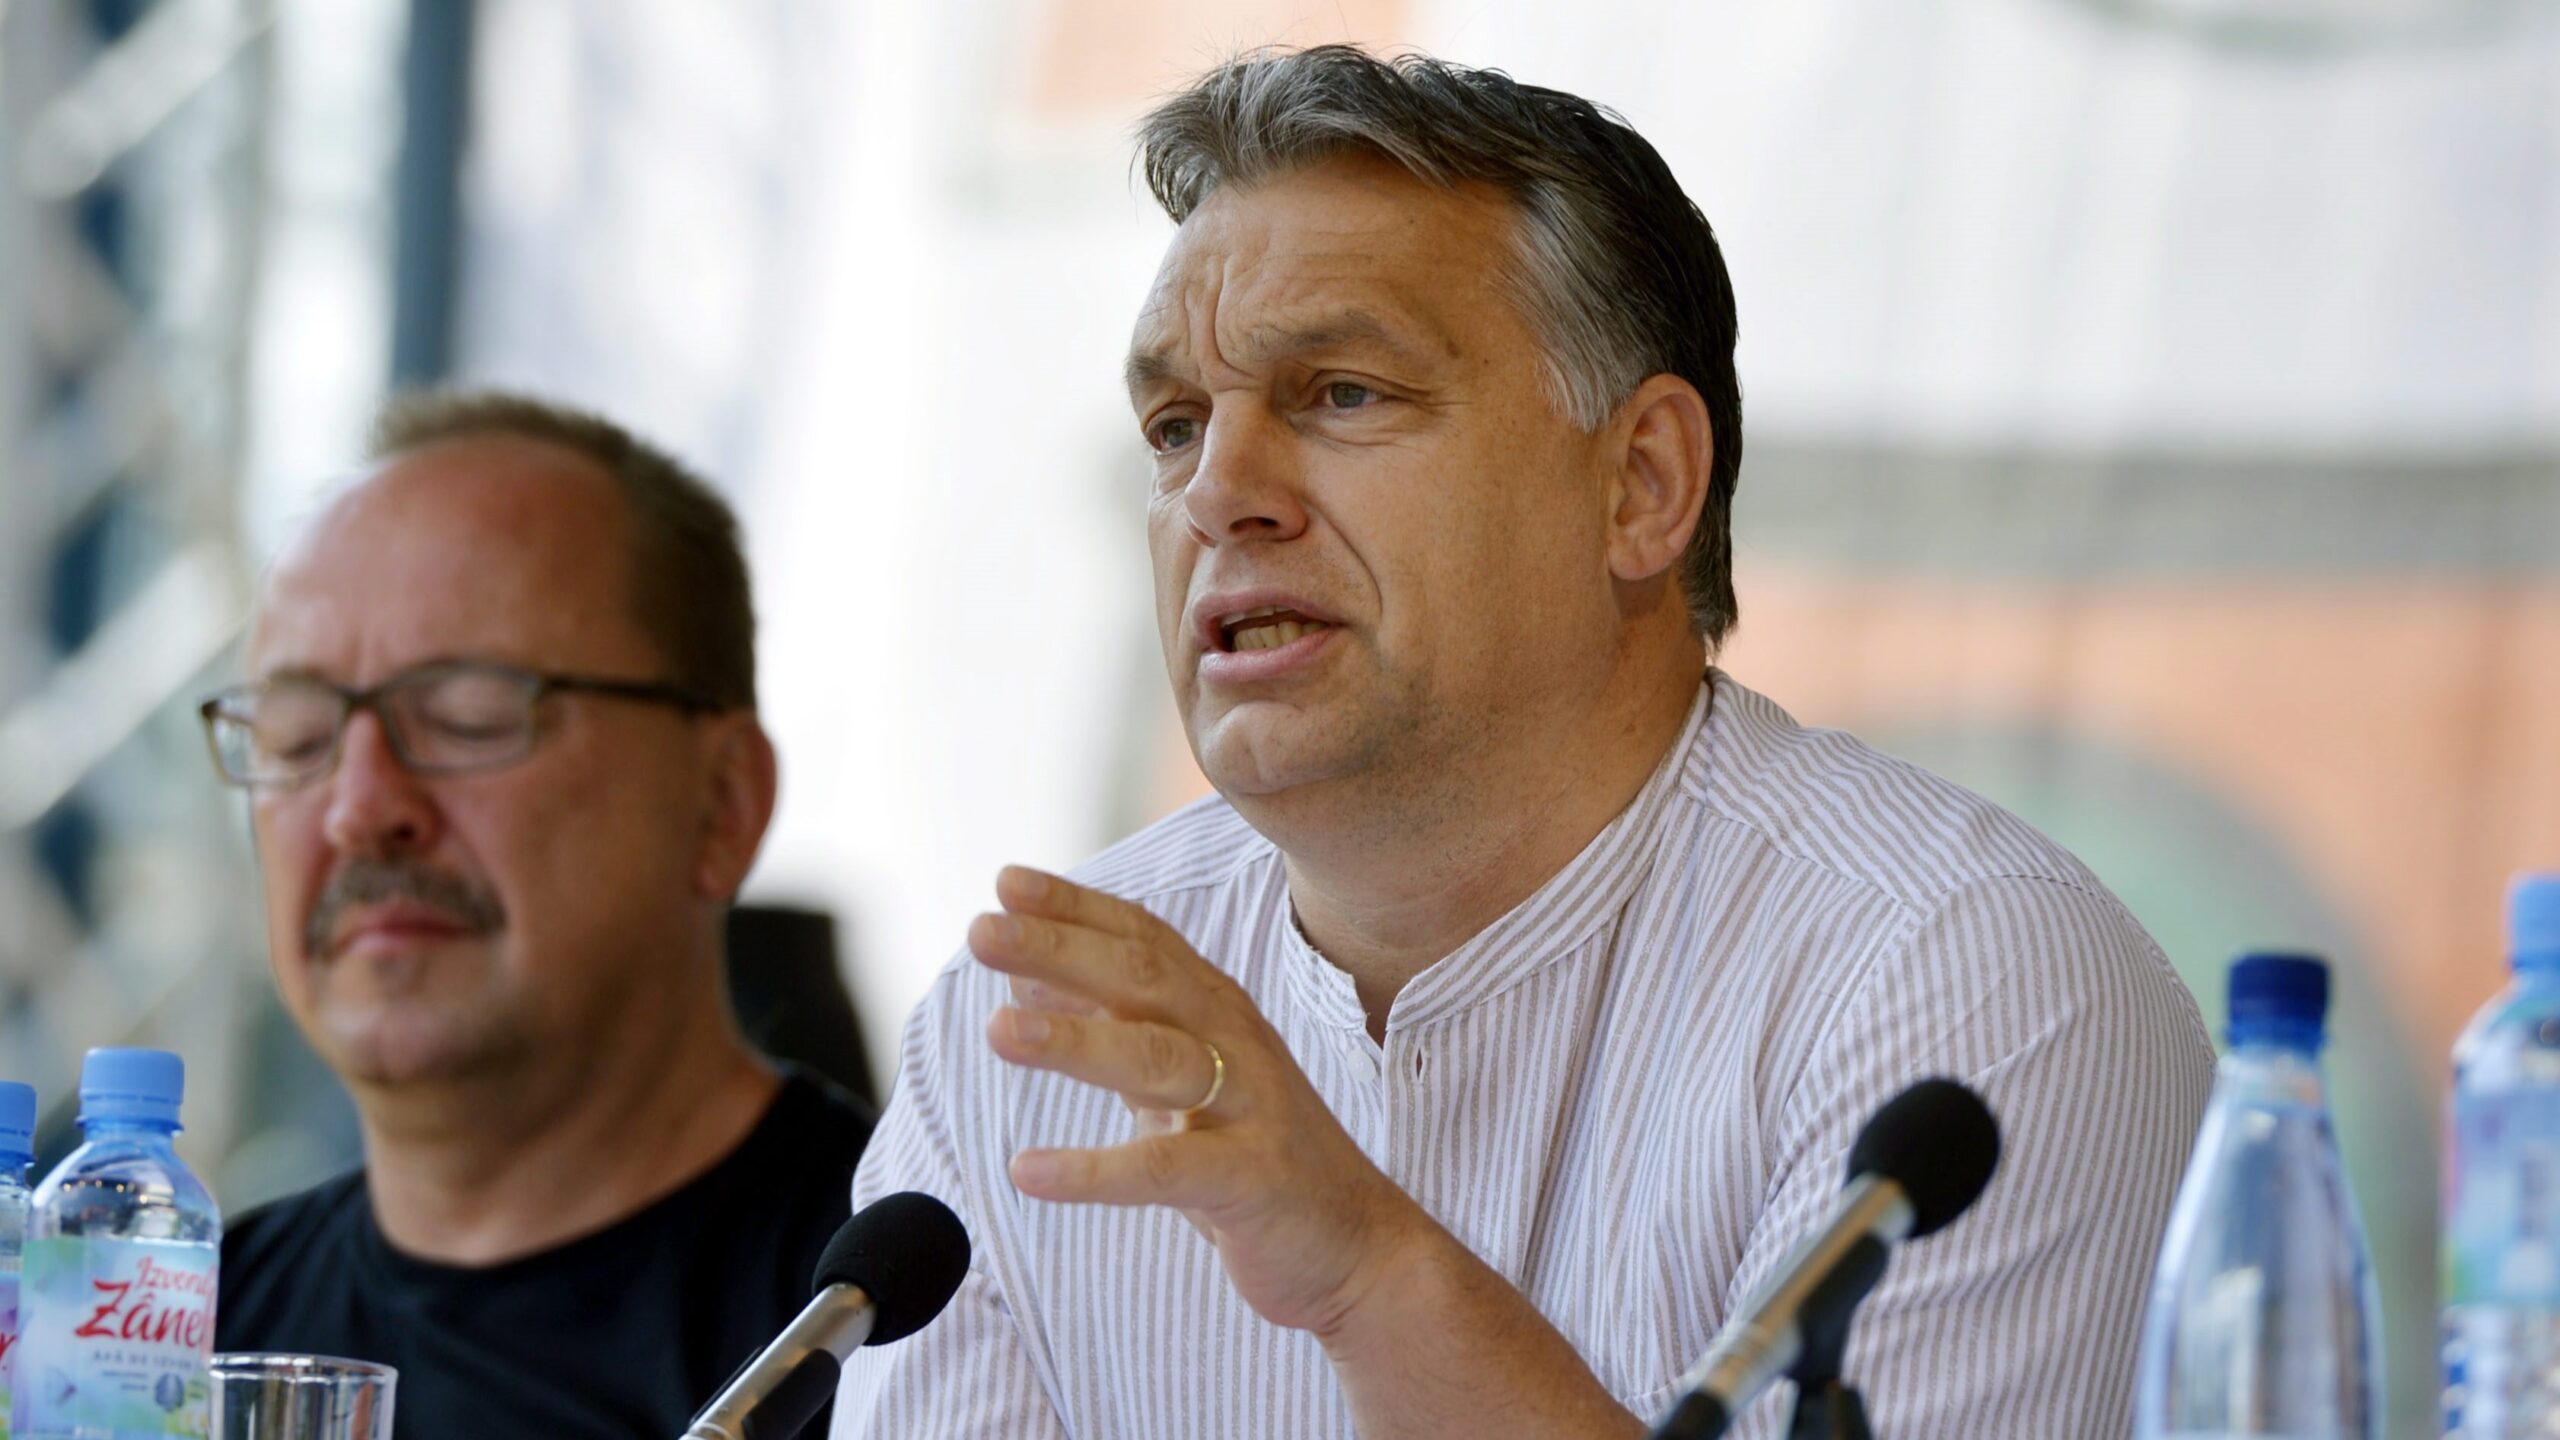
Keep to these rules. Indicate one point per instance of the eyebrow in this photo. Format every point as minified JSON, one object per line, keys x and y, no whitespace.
{"x":314,"y":672}
{"x":1266,"y":343}
{"x":297,"y":671}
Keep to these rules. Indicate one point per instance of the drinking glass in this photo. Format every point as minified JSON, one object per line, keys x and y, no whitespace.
{"x":301,"y":1397}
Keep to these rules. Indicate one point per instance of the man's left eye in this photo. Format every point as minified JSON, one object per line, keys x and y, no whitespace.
{"x":1348,"y":395}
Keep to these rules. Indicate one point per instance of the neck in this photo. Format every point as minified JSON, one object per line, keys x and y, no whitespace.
{"x":1385,"y":890}
{"x":494,"y":1167}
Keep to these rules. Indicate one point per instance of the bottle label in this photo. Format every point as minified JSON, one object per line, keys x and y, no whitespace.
{"x":2502,"y":1201}
{"x":8,"y":1337}
{"x":118,"y":1338}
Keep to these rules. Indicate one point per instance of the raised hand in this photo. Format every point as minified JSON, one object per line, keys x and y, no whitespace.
{"x":1228,"y":1130}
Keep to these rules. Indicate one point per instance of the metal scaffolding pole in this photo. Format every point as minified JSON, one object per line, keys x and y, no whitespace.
{"x":131,"y":221}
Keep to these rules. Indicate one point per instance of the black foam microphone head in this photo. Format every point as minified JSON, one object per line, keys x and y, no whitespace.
{"x":907,"y":1252}
{"x":1937,"y":1141}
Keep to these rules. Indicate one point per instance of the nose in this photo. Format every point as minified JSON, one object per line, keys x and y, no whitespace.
{"x":376,"y":807}
{"x":1246,"y":484}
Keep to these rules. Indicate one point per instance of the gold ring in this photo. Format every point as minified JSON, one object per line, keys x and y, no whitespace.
{"x":1217,"y":1082}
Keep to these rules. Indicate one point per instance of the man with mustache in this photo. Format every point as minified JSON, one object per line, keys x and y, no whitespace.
{"x":1470,"y":1058}
{"x":505,"y":772}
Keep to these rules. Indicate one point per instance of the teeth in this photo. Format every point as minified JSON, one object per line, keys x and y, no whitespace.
{"x":1264,"y":627}
{"x":1271,"y":636}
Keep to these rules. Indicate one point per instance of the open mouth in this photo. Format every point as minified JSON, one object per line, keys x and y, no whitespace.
{"x":1267,"y":628}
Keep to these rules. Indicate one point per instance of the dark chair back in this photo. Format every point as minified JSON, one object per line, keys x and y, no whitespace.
{"x":787,"y":985}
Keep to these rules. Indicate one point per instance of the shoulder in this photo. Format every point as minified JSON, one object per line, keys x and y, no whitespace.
{"x":1200,"y":846}
{"x":794,"y":1175}
{"x":1175,"y":867}
{"x":1828,"y":800}
{"x":811,"y":1137}
{"x":815,"y":1117}
{"x":1917,"y":904}
{"x":764,"y":1210}
{"x":294,"y":1222}
{"x":1192,"y":869}
{"x":271,"y":1249}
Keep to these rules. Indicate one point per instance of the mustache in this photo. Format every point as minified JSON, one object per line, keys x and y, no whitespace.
{"x":370,"y":882}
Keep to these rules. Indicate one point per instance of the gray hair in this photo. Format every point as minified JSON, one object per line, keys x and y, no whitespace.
{"x":1615,"y":269}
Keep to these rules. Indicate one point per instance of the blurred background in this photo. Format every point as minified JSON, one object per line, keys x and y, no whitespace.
{"x":2154,"y":416}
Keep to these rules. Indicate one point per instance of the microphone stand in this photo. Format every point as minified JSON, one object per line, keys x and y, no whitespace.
{"x":1826,"y":1407}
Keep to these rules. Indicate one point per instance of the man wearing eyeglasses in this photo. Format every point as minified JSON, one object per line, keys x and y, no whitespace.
{"x":505,"y":774}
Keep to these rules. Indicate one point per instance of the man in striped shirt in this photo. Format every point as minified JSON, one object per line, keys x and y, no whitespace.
{"x":1470,"y":1059}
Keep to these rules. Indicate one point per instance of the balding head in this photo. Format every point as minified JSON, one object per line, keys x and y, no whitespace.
{"x":689,"y":586}
{"x":488,"y":547}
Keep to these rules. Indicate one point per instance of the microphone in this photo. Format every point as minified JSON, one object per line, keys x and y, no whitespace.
{"x":889,"y":1269}
{"x":1918,"y":1163}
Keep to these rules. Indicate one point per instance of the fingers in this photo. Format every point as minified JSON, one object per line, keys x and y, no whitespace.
{"x":1025,"y":891}
{"x":1150,"y":1065}
{"x":1039,"y":995}
{"x":1107,"y":994}
{"x":1156,"y":977}
{"x":1188,"y":1172}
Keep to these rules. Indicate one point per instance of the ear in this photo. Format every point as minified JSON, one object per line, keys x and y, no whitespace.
{"x":1659,"y":485}
{"x":743,"y":777}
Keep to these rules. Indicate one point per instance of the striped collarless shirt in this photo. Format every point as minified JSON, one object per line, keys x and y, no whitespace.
{"x":1630,"y":1096}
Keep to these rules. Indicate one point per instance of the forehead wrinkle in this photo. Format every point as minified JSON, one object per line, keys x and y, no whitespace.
{"x":1156,"y":348}
{"x":1340,"y":288}
{"x":1272,"y":341}
{"x":1253,"y":301}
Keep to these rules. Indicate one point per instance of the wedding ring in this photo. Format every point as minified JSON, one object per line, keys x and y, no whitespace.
{"x":1217,"y":1083}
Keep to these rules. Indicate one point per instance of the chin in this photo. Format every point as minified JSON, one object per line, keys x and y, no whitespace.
{"x":405,"y":1049}
{"x":1245,"y":759}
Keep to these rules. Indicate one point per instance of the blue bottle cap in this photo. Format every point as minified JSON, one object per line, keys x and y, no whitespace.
{"x":2279,"y":999}
{"x":17,"y":1124}
{"x":2533,"y":922}
{"x":118,"y":1083}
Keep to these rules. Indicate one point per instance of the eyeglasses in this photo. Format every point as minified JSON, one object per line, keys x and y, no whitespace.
{"x":448,"y":718}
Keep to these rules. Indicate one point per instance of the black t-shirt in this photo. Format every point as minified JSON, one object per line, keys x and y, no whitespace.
{"x":622,"y":1333}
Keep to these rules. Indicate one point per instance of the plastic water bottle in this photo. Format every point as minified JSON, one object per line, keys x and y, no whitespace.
{"x":2263,"y":1316}
{"x":2502,"y":1191}
{"x":123,"y":1245}
{"x":17,"y":1152}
